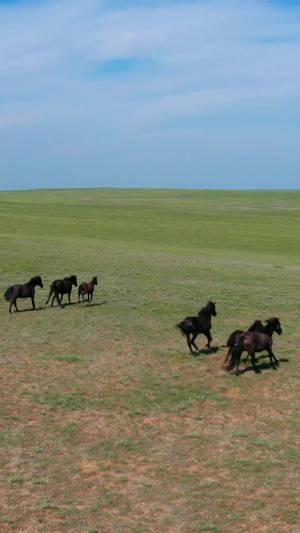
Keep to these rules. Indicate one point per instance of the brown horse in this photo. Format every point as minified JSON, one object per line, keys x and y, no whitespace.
{"x":253,"y":342}
{"x":235,"y":335}
{"x":87,"y":288}
{"x":62,"y":286}
{"x":194,"y":325}
{"x":22,"y":291}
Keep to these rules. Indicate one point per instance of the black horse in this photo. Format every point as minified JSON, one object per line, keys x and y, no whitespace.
{"x":62,"y":286}
{"x":235,"y":335}
{"x":22,"y":291}
{"x":87,"y":288}
{"x":194,"y":325}
{"x":253,"y":342}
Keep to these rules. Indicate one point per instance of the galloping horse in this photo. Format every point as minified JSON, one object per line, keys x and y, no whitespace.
{"x":235,"y":335}
{"x":194,"y":325}
{"x":87,"y":288}
{"x":253,"y":342}
{"x":22,"y":291}
{"x":62,"y":286}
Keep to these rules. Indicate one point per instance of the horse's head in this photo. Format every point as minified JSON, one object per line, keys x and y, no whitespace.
{"x":38,"y":281}
{"x":213,"y":308}
{"x":94,"y":280}
{"x":278,"y":327}
{"x":73,"y":280}
{"x":210,"y":308}
{"x":275,"y":324}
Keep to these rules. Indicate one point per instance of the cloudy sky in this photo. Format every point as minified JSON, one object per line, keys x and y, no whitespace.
{"x":150,"y":93}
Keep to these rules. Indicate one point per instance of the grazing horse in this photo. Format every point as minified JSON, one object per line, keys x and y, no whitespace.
{"x":87,"y":288}
{"x":235,"y":335}
{"x":62,"y":286}
{"x":194,"y":325}
{"x":23,"y":291}
{"x":253,"y":342}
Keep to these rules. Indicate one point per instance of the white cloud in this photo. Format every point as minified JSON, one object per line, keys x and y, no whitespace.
{"x":219,"y":61}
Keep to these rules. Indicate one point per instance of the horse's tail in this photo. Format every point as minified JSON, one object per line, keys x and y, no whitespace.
{"x":232,"y":339}
{"x":8,"y":294}
{"x":50,"y":293}
{"x":80,"y":289}
{"x":235,"y":354}
{"x":180,"y":326}
{"x":185,"y":327}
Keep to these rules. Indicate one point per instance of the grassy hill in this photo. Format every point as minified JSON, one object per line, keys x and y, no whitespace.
{"x":108,"y":423}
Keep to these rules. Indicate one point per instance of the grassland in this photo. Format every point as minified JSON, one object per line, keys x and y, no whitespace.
{"x":108,"y":424}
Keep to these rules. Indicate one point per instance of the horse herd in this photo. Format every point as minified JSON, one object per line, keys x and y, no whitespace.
{"x":58,"y":289}
{"x":256,"y":339}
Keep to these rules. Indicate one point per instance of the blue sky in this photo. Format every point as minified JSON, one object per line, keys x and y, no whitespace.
{"x":161,"y":93}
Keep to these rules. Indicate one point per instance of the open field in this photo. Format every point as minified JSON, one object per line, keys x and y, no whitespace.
{"x":108,"y":423}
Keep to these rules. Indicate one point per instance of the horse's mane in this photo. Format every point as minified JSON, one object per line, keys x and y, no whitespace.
{"x":206,"y":307}
{"x":255,"y":324}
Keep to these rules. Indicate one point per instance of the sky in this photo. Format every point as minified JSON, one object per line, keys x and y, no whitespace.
{"x":198,"y":94}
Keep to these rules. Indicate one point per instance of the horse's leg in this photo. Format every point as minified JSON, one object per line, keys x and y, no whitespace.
{"x":209,"y":338}
{"x":14,"y":301}
{"x":252,"y":357}
{"x":32,"y":301}
{"x":188,"y":340}
{"x":69,"y":297}
{"x":273,"y":360}
{"x":236,"y":362}
{"x":55,"y":296}
{"x":228,"y":354}
{"x":194,"y":344}
{"x":237,"y":372}
{"x":253,"y":361}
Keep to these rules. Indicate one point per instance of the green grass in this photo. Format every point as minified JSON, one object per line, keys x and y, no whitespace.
{"x":107,"y":423}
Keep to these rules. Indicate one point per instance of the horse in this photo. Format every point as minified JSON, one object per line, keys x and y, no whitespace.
{"x":253,"y":342}
{"x":194,"y":325}
{"x":235,"y":335}
{"x":87,"y":288}
{"x":22,"y":291}
{"x":62,"y":286}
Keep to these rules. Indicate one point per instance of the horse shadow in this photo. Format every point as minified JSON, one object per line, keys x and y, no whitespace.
{"x":282,"y":360}
{"x":62,"y":306}
{"x":264,"y":365}
{"x":95,"y":304}
{"x":80,"y":303}
{"x":207,"y":351}
{"x":29,"y":310}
